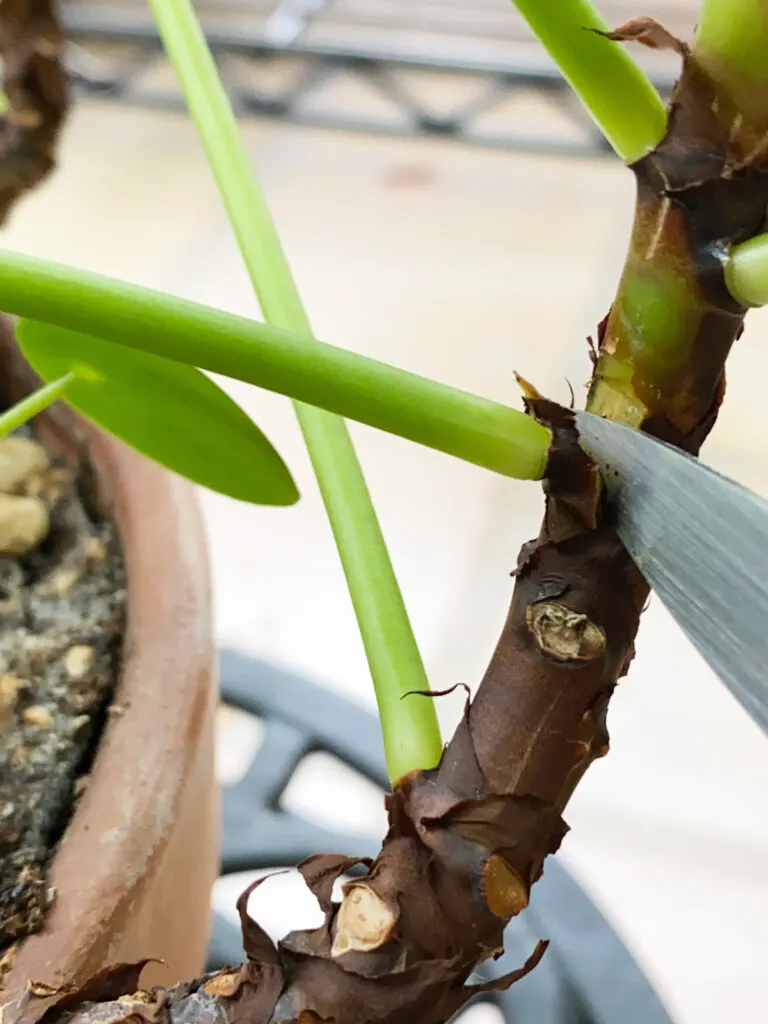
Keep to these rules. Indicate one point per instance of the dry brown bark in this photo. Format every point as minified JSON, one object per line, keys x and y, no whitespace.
{"x":468,"y":839}
{"x":35,"y":84}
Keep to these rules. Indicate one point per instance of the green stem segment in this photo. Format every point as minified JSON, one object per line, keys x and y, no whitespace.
{"x":732,"y":46}
{"x":357,"y":387}
{"x":409,"y":724}
{"x":609,"y":83}
{"x":33,"y":404}
{"x":653,"y":330}
{"x":671,"y":326}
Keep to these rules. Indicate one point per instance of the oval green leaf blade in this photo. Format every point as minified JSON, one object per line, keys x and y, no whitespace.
{"x":171,"y":412}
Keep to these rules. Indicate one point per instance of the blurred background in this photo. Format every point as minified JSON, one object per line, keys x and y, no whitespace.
{"x":447,"y":207}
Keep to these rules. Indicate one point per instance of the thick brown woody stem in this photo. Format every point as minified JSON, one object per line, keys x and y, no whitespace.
{"x":35,"y":84}
{"x":469,"y":838}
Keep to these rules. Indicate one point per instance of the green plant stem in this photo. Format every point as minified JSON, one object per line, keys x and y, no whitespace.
{"x":609,"y":83}
{"x":357,"y":387}
{"x":746,"y":272}
{"x":409,"y":724}
{"x":668,"y":336}
{"x":731,"y":44}
{"x":33,"y":404}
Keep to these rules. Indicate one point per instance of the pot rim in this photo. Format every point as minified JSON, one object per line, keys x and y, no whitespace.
{"x":124,"y":819}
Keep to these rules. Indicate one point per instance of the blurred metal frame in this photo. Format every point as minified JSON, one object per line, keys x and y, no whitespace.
{"x":479,"y":48}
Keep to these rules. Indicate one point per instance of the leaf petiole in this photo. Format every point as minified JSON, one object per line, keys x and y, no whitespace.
{"x":410,"y":729}
{"x":616,"y":92}
{"x":357,"y":387}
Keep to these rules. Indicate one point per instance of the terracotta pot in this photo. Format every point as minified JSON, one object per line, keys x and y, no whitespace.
{"x":134,"y":870}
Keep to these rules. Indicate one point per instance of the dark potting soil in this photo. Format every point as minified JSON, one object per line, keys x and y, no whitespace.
{"x":62,"y":612}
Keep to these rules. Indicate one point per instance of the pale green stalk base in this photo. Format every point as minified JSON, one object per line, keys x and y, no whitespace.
{"x":456,"y":422}
{"x":35,"y":403}
{"x":746,"y":272}
{"x":612,"y":87}
{"x":409,"y":724}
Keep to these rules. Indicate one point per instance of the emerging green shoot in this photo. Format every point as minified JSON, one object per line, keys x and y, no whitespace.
{"x":35,"y":403}
{"x":746,"y":272}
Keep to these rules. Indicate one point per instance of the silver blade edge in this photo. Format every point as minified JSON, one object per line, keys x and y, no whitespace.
{"x":701,"y":542}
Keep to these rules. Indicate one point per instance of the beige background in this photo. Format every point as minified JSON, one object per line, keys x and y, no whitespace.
{"x":465,"y":265}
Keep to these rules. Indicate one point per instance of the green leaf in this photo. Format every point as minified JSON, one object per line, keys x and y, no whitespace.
{"x":170,"y":412}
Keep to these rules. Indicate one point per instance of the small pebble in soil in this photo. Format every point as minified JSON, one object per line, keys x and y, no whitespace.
{"x":95,"y":550}
{"x":38,"y":716}
{"x":10,"y":687}
{"x":62,"y":612}
{"x":78,"y":661}
{"x":80,"y":786}
{"x":20,"y":459}
{"x":58,"y":583}
{"x":24,"y":524}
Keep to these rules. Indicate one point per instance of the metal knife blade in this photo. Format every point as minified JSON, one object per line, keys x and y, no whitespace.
{"x":701,"y":542}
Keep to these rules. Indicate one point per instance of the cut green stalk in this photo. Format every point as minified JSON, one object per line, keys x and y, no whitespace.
{"x":33,"y":404}
{"x":746,"y":272}
{"x":615,"y":91}
{"x":357,"y":387}
{"x":409,"y":724}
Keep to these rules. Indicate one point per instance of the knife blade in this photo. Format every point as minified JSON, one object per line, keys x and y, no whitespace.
{"x":701,"y":542}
